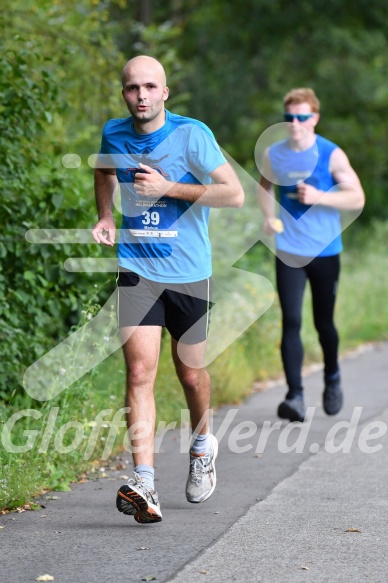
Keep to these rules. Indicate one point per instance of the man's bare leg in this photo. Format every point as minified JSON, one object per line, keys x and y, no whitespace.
{"x":141,"y":353}
{"x":195,"y":380}
{"x":141,"y":346}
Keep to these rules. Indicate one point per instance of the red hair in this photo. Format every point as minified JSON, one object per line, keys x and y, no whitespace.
{"x":302,"y":95}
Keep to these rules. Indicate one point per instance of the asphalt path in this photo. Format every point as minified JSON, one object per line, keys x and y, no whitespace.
{"x":290,"y":503}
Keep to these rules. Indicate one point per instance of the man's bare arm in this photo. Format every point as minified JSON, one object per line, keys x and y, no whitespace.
{"x":348,"y":196}
{"x":105,"y":185}
{"x":266,"y":197}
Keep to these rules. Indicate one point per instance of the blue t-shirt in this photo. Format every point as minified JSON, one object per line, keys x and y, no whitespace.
{"x":309,"y":230}
{"x":163,"y":239}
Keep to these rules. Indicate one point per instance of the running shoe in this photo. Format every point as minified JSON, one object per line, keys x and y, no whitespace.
{"x":137,"y":499}
{"x":202,"y":475}
{"x":292,"y":409}
{"x":333,"y":397}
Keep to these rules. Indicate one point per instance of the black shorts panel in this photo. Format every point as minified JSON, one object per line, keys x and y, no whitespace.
{"x":184,"y":309}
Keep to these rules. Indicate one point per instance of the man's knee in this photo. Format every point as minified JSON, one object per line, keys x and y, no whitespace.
{"x":327,"y":330}
{"x":139,"y":373}
{"x":192,"y":378}
{"x":292,"y":323}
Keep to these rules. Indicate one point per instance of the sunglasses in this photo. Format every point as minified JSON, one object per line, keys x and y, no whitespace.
{"x":301,"y":117}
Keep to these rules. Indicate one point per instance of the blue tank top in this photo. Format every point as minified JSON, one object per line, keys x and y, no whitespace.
{"x":163,"y":239}
{"x":310,"y":231}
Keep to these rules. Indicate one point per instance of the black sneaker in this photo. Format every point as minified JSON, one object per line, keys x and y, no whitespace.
{"x":137,"y":499}
{"x":292,"y":409}
{"x":333,"y":397}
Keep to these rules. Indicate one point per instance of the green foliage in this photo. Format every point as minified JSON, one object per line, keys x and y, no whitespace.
{"x":77,"y":40}
{"x":59,"y":438}
{"x":59,"y":82}
{"x":39,"y":300}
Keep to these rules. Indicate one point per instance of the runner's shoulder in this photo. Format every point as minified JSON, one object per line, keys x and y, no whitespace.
{"x":116,"y":124}
{"x":182,"y":120}
{"x":325,"y":143}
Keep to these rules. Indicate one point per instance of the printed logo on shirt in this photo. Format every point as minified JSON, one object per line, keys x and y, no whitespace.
{"x":143,"y":158}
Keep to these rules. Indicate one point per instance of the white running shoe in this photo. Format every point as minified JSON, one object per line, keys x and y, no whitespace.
{"x":202,"y":475}
{"x":136,"y":498}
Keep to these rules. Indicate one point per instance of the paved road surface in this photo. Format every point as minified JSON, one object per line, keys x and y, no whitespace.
{"x":276,"y":515}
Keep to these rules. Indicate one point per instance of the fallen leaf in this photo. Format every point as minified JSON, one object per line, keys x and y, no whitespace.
{"x":45,"y":578}
{"x":1,"y":527}
{"x":149,"y":578}
{"x":304,"y":568}
{"x":352,"y":529}
{"x":33,"y":506}
{"x":143,"y":549}
{"x":123,"y":477}
{"x":203,"y":572}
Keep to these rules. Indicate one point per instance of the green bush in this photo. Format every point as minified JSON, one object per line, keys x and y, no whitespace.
{"x":39,"y":299}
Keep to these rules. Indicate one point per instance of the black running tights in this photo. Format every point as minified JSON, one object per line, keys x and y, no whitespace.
{"x":323,"y":274}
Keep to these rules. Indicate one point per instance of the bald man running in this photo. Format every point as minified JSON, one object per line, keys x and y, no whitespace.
{"x":170,"y":171}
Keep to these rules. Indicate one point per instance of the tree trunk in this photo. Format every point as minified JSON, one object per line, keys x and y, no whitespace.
{"x":145,"y":11}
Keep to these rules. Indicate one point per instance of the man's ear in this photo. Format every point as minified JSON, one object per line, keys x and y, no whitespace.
{"x":166,"y":93}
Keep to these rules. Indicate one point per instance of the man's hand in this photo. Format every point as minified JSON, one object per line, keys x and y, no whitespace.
{"x":105,"y":231}
{"x":307,"y":194}
{"x":150,"y":182}
{"x":273,"y":225}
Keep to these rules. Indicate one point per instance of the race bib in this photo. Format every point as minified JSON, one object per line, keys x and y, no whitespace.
{"x":155,"y":220}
